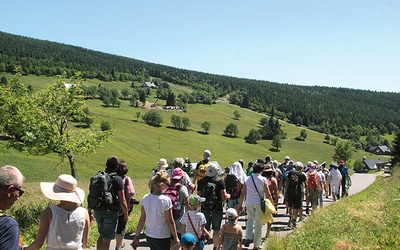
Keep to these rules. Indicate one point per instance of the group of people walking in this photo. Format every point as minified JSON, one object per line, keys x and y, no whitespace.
{"x":178,"y":212}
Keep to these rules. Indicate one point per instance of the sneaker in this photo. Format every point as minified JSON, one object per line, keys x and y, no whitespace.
{"x":215,"y":248}
{"x":246,"y":243}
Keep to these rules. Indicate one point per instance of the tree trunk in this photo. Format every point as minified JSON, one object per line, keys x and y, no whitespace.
{"x":72,"y":164}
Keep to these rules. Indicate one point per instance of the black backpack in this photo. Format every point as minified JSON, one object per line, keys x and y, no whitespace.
{"x":209,"y":192}
{"x":101,"y":193}
{"x":293,"y":183}
{"x":232,"y":186}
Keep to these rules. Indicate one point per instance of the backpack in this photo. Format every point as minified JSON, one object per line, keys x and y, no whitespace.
{"x":173,"y":194}
{"x":293,"y":183}
{"x":232,"y":186}
{"x":312,"y":180}
{"x":209,"y":192}
{"x":101,"y":192}
{"x":202,"y":169}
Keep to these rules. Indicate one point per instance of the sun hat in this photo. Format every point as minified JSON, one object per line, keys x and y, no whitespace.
{"x":231,"y":213}
{"x":188,"y":239}
{"x":207,"y":154}
{"x":194,"y":199}
{"x":298,"y":165}
{"x":212,"y":170}
{"x":177,"y":174}
{"x":162,"y":163}
{"x":65,"y":189}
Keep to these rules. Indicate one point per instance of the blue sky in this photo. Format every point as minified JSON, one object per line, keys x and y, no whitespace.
{"x":353,"y":44}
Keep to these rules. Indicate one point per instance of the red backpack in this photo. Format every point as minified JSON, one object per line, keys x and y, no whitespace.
{"x":312,"y":180}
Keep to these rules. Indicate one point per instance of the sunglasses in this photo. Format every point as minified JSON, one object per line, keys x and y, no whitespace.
{"x":20,"y":191}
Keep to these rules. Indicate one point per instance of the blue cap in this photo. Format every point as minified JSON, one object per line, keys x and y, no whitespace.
{"x":188,"y":239}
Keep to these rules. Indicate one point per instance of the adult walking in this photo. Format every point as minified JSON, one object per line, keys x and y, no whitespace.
{"x":255,"y":189}
{"x":11,"y":181}
{"x":335,"y":179}
{"x":213,"y":189}
{"x":107,"y":216}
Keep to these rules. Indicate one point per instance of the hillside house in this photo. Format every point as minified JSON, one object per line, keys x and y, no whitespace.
{"x":149,"y":85}
{"x":373,"y":164}
{"x":379,"y":150}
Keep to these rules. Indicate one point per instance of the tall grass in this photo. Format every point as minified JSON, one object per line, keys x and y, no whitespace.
{"x":368,"y":220}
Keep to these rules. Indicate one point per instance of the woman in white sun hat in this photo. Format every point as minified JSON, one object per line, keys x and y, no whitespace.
{"x":66,"y":225}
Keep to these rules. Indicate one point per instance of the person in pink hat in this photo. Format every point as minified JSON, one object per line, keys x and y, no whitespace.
{"x":66,"y":225}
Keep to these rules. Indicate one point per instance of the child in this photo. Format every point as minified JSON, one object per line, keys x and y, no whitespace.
{"x":188,"y":241}
{"x":231,"y":233}
{"x":65,"y":225}
{"x":194,"y":221}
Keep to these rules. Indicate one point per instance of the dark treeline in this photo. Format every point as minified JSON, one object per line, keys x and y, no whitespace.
{"x":343,"y":112}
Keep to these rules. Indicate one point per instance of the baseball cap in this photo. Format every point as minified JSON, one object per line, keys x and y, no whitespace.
{"x":177,"y":174}
{"x":287,"y":158}
{"x":342,"y":162}
{"x":231,"y":213}
{"x":188,"y":239}
{"x":194,"y":199}
{"x":212,"y":170}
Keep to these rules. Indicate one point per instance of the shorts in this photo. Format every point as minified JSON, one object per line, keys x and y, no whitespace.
{"x":232,"y":203}
{"x":313,"y":196}
{"x":294,"y":201}
{"x":121,"y":224}
{"x":106,"y":223}
{"x":158,"y":244}
{"x":214,"y":218}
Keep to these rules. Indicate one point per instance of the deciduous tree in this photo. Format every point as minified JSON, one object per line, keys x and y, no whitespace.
{"x":41,"y":123}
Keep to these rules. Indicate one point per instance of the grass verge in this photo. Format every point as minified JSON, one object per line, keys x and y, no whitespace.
{"x":368,"y":220}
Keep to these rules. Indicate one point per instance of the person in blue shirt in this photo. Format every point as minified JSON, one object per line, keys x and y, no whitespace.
{"x":343,"y":170}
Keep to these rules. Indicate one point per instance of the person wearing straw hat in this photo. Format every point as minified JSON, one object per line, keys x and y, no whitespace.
{"x":65,"y":225}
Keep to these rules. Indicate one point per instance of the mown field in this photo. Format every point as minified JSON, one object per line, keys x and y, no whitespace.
{"x":141,"y":146}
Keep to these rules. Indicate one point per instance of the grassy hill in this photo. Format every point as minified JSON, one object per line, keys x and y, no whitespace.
{"x":142,"y":145}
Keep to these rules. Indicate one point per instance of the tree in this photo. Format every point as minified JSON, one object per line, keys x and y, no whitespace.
{"x":105,"y":125}
{"x":303,"y":134}
{"x":253,"y":136}
{"x":176,"y":121}
{"x":236,"y":114}
{"x":231,"y":130}
{"x":396,"y":149}
{"x":185,"y":123}
{"x":152,"y":118}
{"x":41,"y":123}
{"x":277,"y":142}
{"x":344,"y":150}
{"x":137,"y":116}
{"x":206,"y":126}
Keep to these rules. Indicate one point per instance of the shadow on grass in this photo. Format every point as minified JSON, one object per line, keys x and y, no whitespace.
{"x":274,"y":150}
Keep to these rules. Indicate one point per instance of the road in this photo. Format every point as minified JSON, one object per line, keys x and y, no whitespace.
{"x":359,"y":183}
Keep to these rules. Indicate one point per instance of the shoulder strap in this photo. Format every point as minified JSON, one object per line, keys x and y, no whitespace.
{"x":194,"y":229}
{"x":255,"y":187}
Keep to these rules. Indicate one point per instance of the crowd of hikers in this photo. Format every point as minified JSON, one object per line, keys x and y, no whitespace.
{"x":180,"y":211}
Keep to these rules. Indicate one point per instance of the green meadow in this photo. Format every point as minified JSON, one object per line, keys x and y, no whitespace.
{"x":141,"y":145}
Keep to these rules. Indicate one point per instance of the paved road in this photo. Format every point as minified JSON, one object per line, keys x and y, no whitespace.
{"x":359,"y":183}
